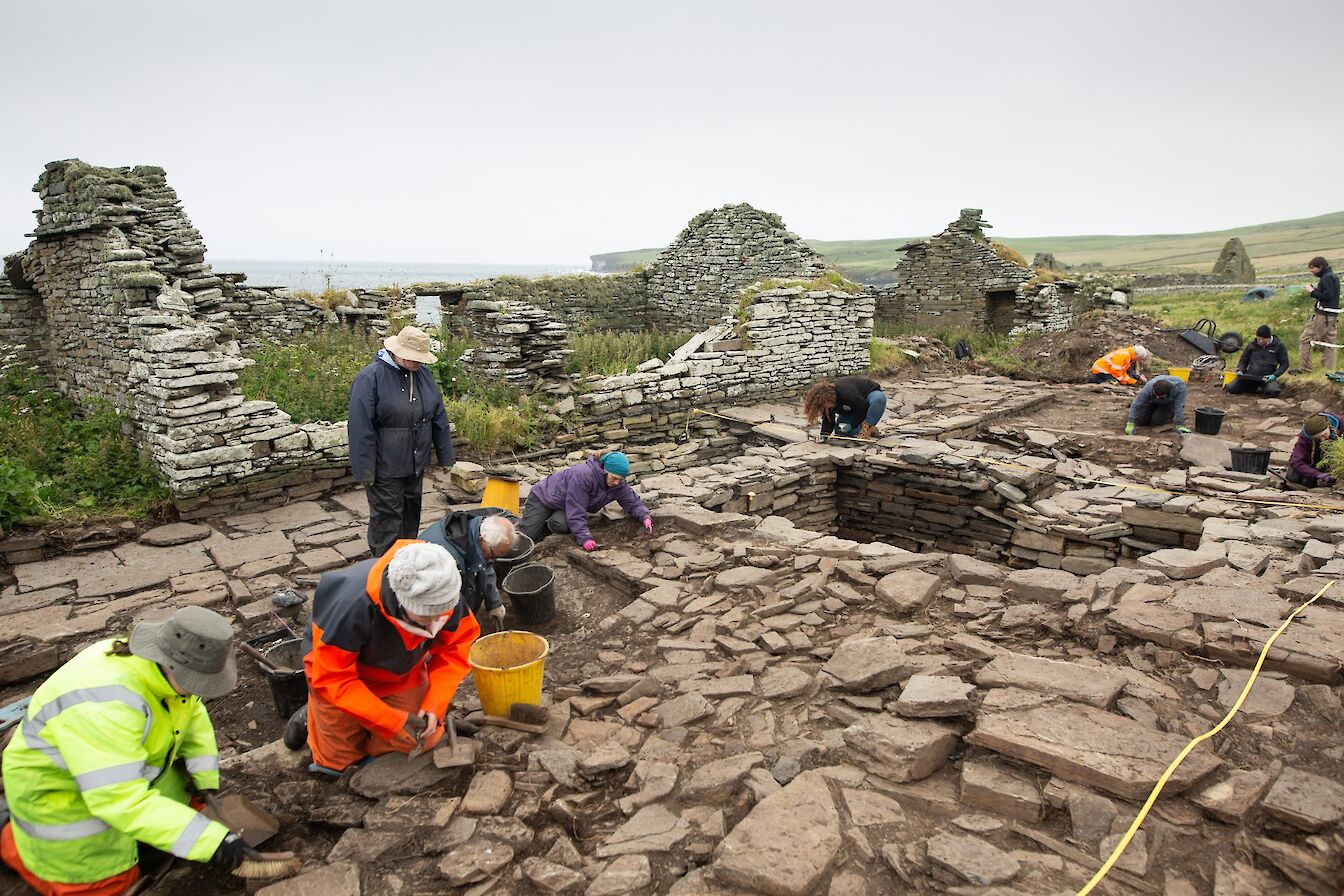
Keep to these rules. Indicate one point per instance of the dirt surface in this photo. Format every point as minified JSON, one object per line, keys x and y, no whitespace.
{"x":1067,"y":357}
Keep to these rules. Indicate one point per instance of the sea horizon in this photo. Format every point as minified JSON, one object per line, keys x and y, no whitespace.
{"x":318,"y":275}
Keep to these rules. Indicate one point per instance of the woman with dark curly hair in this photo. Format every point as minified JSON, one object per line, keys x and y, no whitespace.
{"x":851,"y":406}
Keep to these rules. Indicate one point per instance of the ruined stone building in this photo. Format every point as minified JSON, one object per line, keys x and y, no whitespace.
{"x":115,"y":301}
{"x":1234,"y":263}
{"x":721,"y":252}
{"x":957,"y":280}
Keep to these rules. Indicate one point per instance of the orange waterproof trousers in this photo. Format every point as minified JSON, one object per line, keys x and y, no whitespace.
{"x":339,"y":740}
{"x":115,"y":885}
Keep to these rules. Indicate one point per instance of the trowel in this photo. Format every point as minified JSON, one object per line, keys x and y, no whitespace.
{"x":242,"y":816}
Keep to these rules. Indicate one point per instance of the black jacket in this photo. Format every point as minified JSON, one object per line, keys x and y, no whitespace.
{"x":1262,"y":360}
{"x":460,"y":533}
{"x":1326,"y":292}
{"x":395,"y":416}
{"x":851,"y":400}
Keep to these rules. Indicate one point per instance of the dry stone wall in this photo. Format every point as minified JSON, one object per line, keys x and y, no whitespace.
{"x":23,"y":326}
{"x":957,"y":280}
{"x":617,"y":302}
{"x":791,"y":337}
{"x":1234,"y":264}
{"x":519,"y":343}
{"x":694,"y":281}
{"x":126,"y":309}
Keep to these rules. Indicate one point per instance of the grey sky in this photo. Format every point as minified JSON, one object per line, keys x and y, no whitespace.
{"x":546,"y":131}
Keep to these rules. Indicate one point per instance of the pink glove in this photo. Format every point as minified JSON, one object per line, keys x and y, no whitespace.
{"x":590,"y":545}
{"x":648,"y":524}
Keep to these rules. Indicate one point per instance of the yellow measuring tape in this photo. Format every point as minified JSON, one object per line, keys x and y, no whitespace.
{"x":1180,"y":757}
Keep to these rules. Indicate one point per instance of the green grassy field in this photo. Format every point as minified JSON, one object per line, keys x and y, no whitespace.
{"x":1275,"y":247}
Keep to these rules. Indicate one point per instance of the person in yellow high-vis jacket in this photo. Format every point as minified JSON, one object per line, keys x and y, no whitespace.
{"x":90,"y":772}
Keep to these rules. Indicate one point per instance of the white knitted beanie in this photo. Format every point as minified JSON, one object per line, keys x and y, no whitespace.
{"x":425,"y":579}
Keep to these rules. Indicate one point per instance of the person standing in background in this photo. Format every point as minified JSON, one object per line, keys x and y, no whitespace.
{"x":1323,"y":325}
{"x":396,"y":417}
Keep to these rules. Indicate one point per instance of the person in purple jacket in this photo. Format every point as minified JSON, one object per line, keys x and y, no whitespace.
{"x":562,"y":501}
{"x":1304,"y":465}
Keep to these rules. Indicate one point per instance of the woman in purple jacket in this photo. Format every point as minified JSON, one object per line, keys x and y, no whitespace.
{"x":562,"y":501}
{"x":1304,"y":465}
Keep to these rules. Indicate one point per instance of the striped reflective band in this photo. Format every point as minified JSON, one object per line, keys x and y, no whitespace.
{"x":108,"y":693}
{"x":75,"y":830}
{"x":190,"y":834}
{"x":198,"y":764}
{"x":112,"y":774}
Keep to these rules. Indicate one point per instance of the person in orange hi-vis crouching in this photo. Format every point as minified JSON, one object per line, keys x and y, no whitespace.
{"x":1124,"y":366}
{"x":384,"y":654}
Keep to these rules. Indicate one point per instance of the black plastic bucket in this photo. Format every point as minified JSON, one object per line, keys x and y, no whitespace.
{"x":289,"y":690}
{"x":1250,"y":460}
{"x":519,"y":554}
{"x":1208,"y":420}
{"x":531,"y":591}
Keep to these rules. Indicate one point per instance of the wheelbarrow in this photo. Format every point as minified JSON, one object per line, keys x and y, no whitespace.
{"x":1204,"y":336}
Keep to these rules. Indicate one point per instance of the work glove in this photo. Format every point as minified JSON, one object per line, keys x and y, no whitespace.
{"x":232,"y":852}
{"x":431,"y":724}
{"x":648,"y":524}
{"x":1271,"y":378}
{"x":590,"y":545}
{"x":497,"y":614}
{"x":1183,"y":430}
{"x":1129,"y":429}
{"x":1328,"y":481}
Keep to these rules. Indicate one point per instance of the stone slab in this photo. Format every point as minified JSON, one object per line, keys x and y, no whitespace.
{"x":787,"y":844}
{"x":1074,"y":681}
{"x":1089,"y":746}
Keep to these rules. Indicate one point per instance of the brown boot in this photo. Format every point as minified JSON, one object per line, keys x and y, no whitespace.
{"x":868,"y":432}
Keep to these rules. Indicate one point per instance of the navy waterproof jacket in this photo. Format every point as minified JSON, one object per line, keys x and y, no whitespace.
{"x":460,"y":533}
{"x":396,"y":416}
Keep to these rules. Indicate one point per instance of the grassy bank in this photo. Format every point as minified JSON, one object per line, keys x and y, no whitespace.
{"x":994,"y":349}
{"x":1276,"y":246}
{"x":310,"y":380}
{"x":59,"y":461}
{"x":610,"y":354}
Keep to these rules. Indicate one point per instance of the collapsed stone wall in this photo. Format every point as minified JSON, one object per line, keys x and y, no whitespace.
{"x":947,"y":281}
{"x":582,"y":302}
{"x":790,"y":338}
{"x":125,"y":309}
{"x":518,"y":343}
{"x":694,"y":281}
{"x":23,"y":325}
{"x":201,"y":433}
{"x":1233,"y":264}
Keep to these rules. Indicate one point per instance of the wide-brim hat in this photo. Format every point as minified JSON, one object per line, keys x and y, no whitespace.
{"x":195,"y":645}
{"x":411,"y":344}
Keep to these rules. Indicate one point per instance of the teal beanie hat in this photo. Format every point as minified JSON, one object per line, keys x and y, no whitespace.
{"x":617,"y":464}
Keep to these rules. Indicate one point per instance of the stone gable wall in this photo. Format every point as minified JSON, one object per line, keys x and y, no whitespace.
{"x":945,"y":282}
{"x":694,"y":281}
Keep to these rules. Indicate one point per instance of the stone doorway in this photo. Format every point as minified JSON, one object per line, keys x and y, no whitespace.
{"x":1001,"y":309}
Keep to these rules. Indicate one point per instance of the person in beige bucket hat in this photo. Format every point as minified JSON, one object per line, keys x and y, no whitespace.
{"x":395,"y":422}
{"x":107,"y":756}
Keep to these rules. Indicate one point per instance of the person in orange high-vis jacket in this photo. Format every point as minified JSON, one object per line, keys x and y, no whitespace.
{"x":384,"y":654}
{"x":1124,"y":365}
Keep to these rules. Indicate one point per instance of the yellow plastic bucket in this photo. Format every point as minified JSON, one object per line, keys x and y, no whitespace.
{"x":1229,"y":376}
{"x":1182,"y":372}
{"x":507,"y":667}
{"x":501,"y":493}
